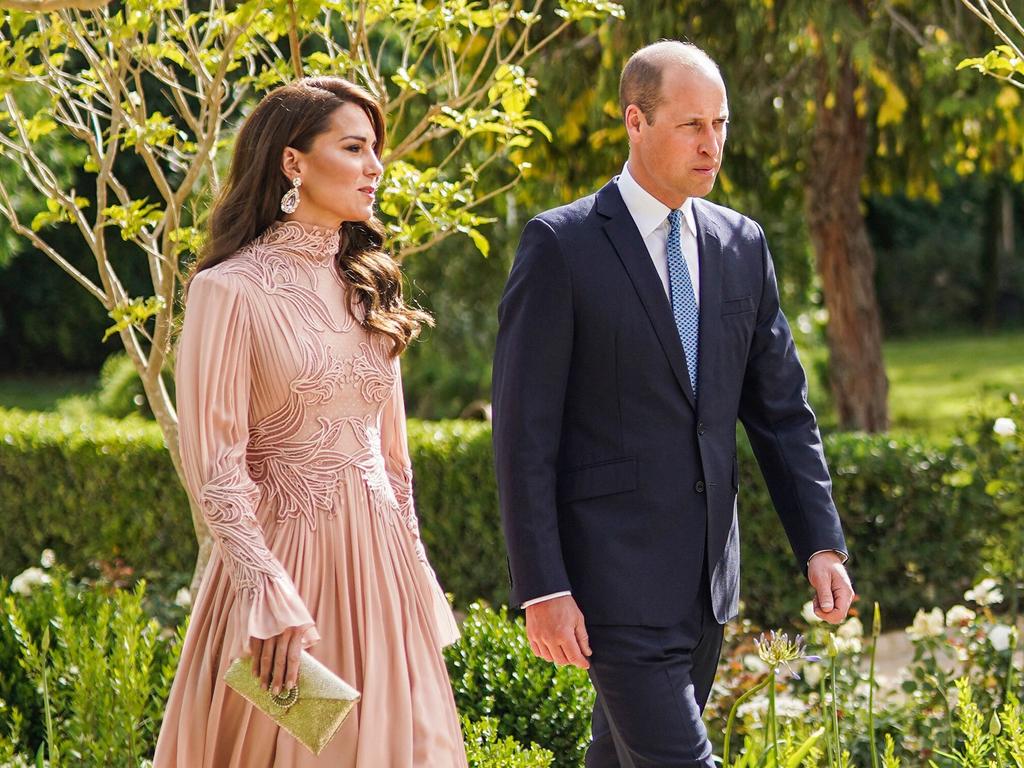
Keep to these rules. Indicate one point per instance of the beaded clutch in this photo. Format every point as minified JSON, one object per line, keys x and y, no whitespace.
{"x":312,"y":711}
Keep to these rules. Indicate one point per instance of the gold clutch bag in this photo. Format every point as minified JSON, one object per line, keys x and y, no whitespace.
{"x":312,"y":711}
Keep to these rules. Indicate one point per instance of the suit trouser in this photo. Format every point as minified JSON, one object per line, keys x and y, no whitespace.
{"x":652,"y":684}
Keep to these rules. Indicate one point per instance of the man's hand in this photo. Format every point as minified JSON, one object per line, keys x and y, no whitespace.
{"x":833,"y":591}
{"x":557,"y":633}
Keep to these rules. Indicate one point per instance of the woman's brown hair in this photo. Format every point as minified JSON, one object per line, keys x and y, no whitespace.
{"x":294,"y":115}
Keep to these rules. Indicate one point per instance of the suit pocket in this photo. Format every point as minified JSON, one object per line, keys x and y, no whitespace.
{"x":601,"y":479}
{"x":737,"y":306}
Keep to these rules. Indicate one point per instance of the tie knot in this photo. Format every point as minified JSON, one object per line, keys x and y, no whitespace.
{"x":675,"y":219}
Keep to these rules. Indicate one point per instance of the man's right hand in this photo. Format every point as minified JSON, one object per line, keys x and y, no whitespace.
{"x":557,"y":633}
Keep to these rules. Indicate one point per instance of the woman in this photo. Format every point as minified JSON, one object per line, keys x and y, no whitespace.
{"x":292,"y":431}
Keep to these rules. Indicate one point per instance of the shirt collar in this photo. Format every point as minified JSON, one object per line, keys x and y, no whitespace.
{"x":647,"y":211}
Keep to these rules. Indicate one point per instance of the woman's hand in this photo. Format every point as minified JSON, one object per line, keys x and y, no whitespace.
{"x":275,"y":661}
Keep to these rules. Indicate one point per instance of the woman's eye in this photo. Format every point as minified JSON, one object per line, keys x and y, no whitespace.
{"x":356,"y":148}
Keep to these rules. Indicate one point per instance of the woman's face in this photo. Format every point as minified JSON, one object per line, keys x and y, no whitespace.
{"x":339,"y":173}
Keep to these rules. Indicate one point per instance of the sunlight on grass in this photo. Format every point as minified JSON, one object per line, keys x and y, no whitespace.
{"x":935,"y":384}
{"x":41,"y":393}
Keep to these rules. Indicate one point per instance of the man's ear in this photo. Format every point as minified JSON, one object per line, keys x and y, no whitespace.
{"x":633,"y":118}
{"x":291,"y":163}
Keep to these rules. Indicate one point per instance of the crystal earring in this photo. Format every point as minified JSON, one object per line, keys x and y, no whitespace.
{"x":290,"y":201}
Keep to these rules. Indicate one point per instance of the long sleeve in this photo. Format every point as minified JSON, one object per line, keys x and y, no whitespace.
{"x":531,"y":370}
{"x":213,"y":380}
{"x":783,"y":431}
{"x":397,"y":463}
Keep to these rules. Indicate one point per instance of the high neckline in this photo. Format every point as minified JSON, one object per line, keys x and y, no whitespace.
{"x":309,"y":240}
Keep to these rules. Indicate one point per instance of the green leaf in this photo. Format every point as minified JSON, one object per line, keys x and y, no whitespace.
{"x":798,"y":757}
{"x":482,"y":243}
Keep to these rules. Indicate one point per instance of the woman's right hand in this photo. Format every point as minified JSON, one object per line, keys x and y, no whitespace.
{"x":275,"y":661}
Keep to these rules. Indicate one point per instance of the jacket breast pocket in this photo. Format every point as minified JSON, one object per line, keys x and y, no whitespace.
{"x":600,"y":479}
{"x":737,"y":306}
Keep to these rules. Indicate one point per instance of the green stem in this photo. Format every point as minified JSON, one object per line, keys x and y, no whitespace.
{"x":773,"y":723}
{"x":835,"y":716}
{"x":829,"y":736}
{"x":871,"y":705}
{"x":51,"y":739}
{"x":732,"y":719}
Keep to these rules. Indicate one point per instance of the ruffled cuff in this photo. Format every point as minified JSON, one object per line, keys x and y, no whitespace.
{"x":269,"y":611}
{"x":444,"y":619}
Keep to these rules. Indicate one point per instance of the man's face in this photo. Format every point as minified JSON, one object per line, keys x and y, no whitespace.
{"x":678,"y":156}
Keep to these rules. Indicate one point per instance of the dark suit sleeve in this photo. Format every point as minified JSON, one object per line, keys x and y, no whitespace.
{"x":531,"y":367}
{"x":783,"y":431}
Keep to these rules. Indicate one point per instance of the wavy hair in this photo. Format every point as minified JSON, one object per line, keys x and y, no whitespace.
{"x":294,"y":115}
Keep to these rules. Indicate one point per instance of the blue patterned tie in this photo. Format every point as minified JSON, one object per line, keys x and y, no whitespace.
{"x":684,"y":305}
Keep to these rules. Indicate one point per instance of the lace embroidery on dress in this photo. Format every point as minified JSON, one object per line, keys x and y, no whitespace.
{"x":228,"y":501}
{"x":300,"y":476}
{"x":402,"y":488}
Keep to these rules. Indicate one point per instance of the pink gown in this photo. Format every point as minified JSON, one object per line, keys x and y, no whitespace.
{"x":292,"y":434}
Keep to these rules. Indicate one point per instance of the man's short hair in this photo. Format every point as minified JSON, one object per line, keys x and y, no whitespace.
{"x":640,"y":82}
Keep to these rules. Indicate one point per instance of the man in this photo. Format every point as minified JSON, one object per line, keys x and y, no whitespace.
{"x":637,"y":325}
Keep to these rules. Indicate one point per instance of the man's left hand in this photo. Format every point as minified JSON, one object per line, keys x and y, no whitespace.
{"x":833,"y":591}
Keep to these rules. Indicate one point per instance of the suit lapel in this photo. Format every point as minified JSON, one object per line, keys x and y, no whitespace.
{"x":709,"y":256}
{"x":625,"y":237}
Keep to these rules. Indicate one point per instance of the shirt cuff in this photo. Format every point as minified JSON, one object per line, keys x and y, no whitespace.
{"x":838,"y":552}
{"x":543,"y":598}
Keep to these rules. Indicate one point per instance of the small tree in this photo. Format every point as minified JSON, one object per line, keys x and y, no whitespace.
{"x":156,"y":84}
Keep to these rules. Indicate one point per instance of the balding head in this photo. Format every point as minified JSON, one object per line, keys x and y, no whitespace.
{"x":640,"y":83}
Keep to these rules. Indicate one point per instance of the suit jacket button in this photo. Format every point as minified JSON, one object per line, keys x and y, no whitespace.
{"x":699,"y":486}
{"x":700,"y":428}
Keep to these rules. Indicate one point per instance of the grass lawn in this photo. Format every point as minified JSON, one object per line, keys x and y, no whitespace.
{"x":936,"y":383}
{"x":41,"y":393}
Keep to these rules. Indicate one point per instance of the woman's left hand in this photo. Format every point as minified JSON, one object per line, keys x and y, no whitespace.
{"x":275,"y":661}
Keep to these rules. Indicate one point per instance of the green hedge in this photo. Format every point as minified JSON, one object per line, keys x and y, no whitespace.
{"x":104,"y":489}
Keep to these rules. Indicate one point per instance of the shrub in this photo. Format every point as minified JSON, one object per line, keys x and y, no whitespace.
{"x":495,"y":674}
{"x":916,"y":516}
{"x":486,"y":748}
{"x":90,"y":673}
{"x":92,"y":490}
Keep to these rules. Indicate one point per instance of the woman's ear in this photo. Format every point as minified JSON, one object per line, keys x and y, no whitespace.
{"x":291,"y":163}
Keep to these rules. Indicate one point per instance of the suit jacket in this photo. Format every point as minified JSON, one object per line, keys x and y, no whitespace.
{"x":614,"y":480}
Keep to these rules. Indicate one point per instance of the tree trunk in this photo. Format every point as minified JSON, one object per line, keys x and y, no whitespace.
{"x":845,"y":258}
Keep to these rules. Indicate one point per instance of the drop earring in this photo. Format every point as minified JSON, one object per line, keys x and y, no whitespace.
{"x":290,"y":201}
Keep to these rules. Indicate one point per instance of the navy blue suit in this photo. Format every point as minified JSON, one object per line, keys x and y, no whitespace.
{"x":615,"y":481}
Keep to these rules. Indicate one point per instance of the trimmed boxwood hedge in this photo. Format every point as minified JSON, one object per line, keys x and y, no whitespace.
{"x":105,"y":489}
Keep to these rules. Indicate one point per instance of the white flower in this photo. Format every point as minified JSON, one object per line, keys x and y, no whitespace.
{"x":999,"y":636}
{"x":959,"y":616}
{"x":24,"y":582}
{"x":812,"y":674}
{"x":985,"y":593}
{"x":1004,"y":427}
{"x":851,"y":628}
{"x":808,"y":614}
{"x":48,"y":558}
{"x":183,"y":599}
{"x":927,"y":624}
{"x":847,"y":644}
{"x":786,"y":705}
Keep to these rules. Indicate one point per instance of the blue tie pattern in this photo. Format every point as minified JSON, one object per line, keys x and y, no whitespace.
{"x":684,"y":304}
